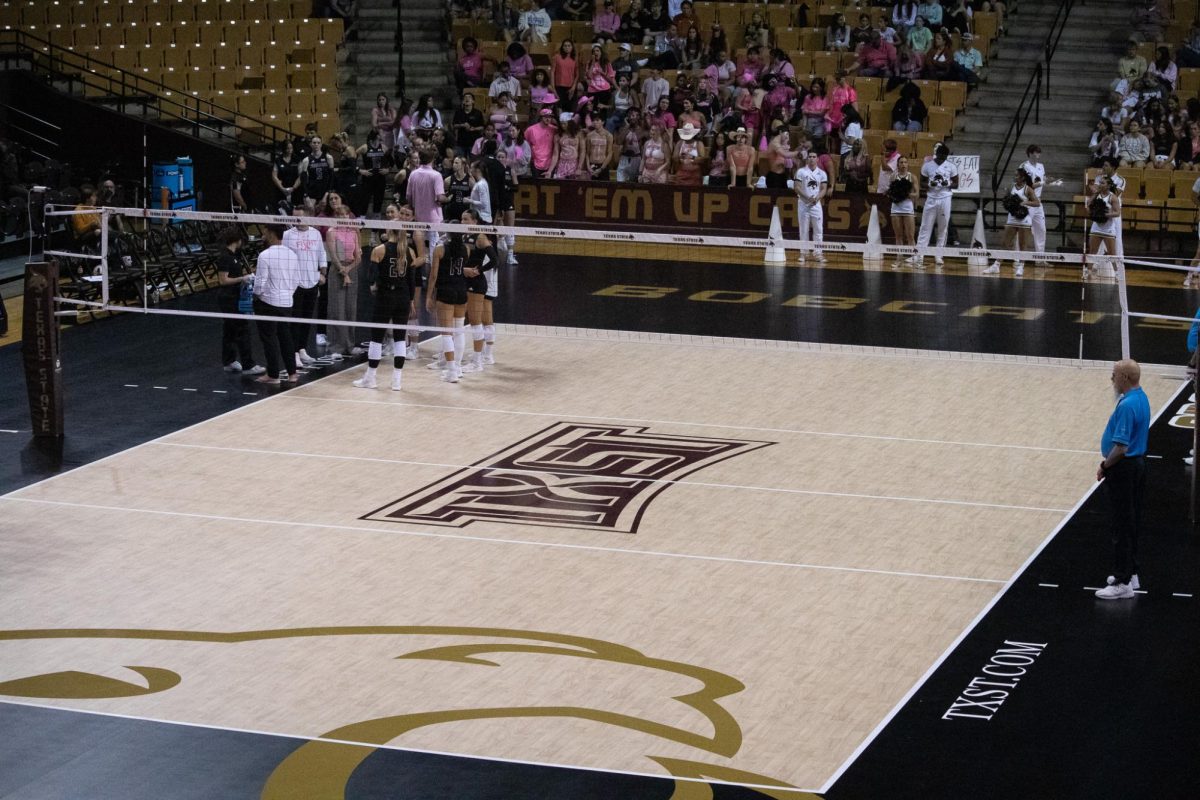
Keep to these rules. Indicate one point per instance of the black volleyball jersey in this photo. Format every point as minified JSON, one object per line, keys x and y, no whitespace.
{"x":373,"y":159}
{"x":450,"y":268}
{"x":397,"y":272}
{"x":482,"y":259}
{"x":318,"y":177}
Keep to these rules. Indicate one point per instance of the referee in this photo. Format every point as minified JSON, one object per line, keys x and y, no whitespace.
{"x":1123,"y":471}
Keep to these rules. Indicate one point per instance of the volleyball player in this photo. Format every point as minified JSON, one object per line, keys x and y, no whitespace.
{"x":316,"y":172}
{"x":941,"y":179}
{"x":480,"y":272}
{"x":447,"y":296}
{"x":1018,"y":226}
{"x":811,"y":184}
{"x":1036,"y":171}
{"x":417,"y":242}
{"x":903,"y":190}
{"x":1105,"y":211}
{"x":392,"y":272}
{"x":506,"y":212}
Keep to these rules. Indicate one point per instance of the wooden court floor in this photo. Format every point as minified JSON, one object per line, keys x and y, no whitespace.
{"x":658,"y":557}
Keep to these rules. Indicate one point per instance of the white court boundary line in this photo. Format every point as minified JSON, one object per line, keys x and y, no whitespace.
{"x":490,"y":540}
{"x":858,"y":751}
{"x":396,"y":748}
{"x":665,"y":481}
{"x":685,"y":423}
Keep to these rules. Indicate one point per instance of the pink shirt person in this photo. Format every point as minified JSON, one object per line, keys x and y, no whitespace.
{"x":424,"y":186}
{"x":540,"y":138}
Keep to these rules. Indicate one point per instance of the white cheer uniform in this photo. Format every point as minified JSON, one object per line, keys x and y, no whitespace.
{"x":937,"y":201}
{"x":1027,"y":222}
{"x":1037,"y":214}
{"x":809,"y":213}
{"x":1109,"y":227}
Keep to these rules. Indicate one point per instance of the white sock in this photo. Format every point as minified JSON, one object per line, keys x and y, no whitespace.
{"x":460,"y":335}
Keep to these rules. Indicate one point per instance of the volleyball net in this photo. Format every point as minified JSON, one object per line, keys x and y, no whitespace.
{"x":980,"y":301}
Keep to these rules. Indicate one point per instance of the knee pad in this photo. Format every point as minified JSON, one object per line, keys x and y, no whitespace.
{"x":489,"y":333}
{"x":447,"y":343}
{"x":374,"y":351}
{"x":477,"y":332}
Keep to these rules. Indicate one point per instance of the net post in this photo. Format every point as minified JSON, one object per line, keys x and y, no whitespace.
{"x":104,"y":213}
{"x":39,"y":349}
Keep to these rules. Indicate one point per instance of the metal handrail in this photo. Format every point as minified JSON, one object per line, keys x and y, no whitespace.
{"x":48,"y":58}
{"x":1057,"y":26}
{"x":1017,"y":126}
{"x":1039,"y":78}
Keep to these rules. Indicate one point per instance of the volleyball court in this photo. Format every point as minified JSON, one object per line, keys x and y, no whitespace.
{"x":618,"y":550}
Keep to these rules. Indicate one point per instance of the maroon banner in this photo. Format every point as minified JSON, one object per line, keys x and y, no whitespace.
{"x":39,"y":346}
{"x":645,"y":206}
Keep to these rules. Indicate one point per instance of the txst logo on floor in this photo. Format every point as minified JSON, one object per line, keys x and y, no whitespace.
{"x":569,"y":475}
{"x":985,"y":694}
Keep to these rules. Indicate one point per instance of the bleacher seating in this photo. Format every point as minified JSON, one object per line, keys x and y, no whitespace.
{"x":804,"y":45}
{"x":263,"y":60}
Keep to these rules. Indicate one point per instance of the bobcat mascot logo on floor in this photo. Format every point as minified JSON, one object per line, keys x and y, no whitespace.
{"x":464,"y":656}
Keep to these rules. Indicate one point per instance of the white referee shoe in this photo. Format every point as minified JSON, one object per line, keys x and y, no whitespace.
{"x":1018,"y":268}
{"x":1117,"y":591}
{"x":992,"y":269}
{"x":1134,"y":583}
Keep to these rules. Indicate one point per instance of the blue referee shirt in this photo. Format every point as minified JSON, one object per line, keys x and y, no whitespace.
{"x":1129,"y":424}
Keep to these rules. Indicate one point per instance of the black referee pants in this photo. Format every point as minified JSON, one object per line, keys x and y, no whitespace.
{"x":1125,"y":484}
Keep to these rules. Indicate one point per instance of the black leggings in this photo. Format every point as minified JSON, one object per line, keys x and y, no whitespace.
{"x":235,"y":335}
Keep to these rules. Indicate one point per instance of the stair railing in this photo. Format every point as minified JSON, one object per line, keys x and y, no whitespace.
{"x":1031,"y":99}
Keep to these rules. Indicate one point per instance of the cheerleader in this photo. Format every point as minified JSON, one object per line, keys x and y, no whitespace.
{"x":392,"y":273}
{"x":1105,"y":211}
{"x":447,"y":297}
{"x":903,"y":189}
{"x":480,"y":272}
{"x":1018,"y":228}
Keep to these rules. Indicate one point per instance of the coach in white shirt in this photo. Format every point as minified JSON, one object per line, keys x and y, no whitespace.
{"x":309,"y":246}
{"x":275,"y":281}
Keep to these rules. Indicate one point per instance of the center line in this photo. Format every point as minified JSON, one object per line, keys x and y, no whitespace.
{"x":488,"y":540}
{"x":668,"y":482}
